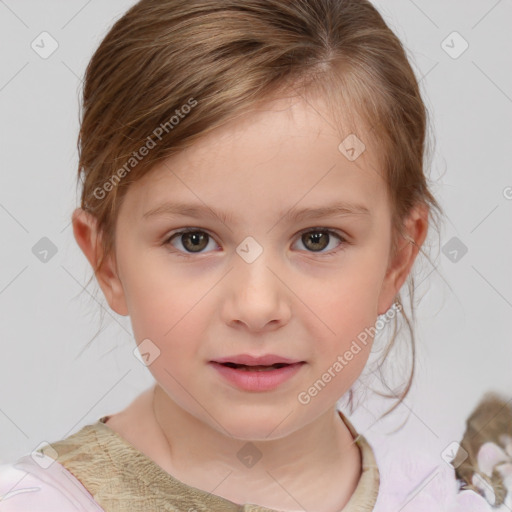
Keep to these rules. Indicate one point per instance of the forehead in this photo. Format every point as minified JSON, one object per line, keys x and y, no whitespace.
{"x":284,"y":152}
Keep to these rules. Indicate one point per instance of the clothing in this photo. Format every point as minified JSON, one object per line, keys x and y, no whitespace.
{"x":111,"y":475}
{"x":416,"y":478}
{"x":114,"y":476}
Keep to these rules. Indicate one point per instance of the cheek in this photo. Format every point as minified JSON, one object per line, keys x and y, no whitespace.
{"x":341,"y":314}
{"x":163,"y":305}
{"x":169,"y":319}
{"x":345,"y":300}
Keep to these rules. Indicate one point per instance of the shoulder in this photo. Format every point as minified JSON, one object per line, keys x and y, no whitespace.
{"x":42,"y":486}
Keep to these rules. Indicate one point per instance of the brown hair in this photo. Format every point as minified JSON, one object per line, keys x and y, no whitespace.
{"x":170,"y":71}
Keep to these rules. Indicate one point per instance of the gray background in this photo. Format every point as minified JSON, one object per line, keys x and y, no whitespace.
{"x":51,"y":387}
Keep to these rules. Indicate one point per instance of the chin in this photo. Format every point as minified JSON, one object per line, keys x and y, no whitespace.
{"x":254,"y":425}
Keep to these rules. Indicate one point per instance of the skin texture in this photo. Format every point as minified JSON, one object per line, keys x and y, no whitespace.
{"x":293,"y":300}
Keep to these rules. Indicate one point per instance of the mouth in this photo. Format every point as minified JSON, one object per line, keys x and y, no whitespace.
{"x":256,"y":368}
{"x":257,"y":374}
{"x":264,"y":361}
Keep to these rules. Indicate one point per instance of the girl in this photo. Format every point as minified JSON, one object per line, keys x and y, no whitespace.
{"x":254,"y":199}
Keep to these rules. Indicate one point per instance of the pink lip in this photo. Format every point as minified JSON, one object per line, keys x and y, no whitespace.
{"x":266,"y":360}
{"x":254,"y":380}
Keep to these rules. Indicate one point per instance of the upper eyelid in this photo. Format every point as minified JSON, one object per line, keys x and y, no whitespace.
{"x":188,"y":229}
{"x":323,"y":228}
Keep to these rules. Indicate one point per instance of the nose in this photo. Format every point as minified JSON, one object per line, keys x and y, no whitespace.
{"x":257,"y":297}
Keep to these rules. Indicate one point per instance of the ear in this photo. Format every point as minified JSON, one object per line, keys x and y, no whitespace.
{"x":400,"y":264}
{"x":88,"y":238}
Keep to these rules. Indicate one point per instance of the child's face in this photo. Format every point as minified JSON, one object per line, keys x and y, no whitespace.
{"x":306,"y":299}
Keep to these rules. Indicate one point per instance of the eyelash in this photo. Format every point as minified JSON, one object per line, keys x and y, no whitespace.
{"x":176,"y":234}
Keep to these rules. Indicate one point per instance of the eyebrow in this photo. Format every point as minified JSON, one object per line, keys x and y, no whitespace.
{"x":292,"y":215}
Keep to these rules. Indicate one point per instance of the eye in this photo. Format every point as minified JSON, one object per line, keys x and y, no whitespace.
{"x":194,"y":241}
{"x":191,"y":239}
{"x":317,"y":239}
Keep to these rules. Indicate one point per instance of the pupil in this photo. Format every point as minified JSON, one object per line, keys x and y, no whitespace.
{"x":319,"y":238}
{"x":198,"y":240}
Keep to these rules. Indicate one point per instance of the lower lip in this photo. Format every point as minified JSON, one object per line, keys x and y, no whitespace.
{"x":251,"y":380}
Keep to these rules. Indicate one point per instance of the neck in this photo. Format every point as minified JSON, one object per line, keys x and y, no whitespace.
{"x":289,"y":468}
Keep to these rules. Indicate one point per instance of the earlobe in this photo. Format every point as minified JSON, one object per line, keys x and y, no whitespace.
{"x":409,"y":245}
{"x":88,"y":239}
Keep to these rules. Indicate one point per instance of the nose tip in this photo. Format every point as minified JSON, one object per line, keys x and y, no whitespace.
{"x":257,"y":299}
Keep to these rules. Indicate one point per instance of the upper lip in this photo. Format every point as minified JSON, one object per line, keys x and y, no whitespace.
{"x":266,"y":360}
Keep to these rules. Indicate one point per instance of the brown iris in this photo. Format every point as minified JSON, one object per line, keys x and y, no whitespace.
{"x":320,"y":239}
{"x":198,"y":241}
